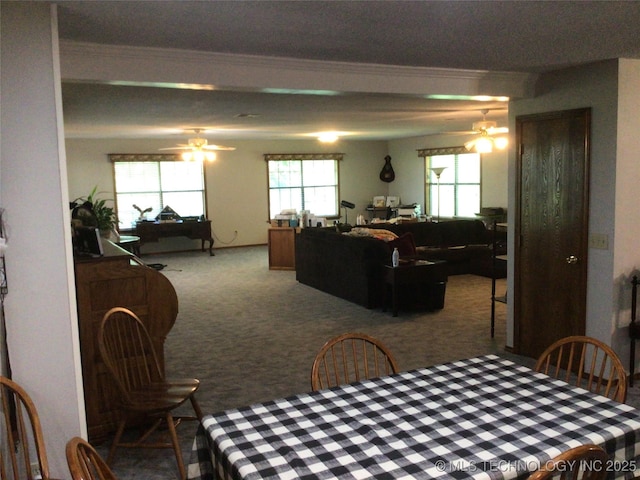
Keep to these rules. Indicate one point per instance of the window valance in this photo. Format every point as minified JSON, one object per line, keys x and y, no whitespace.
{"x":303,"y":156}
{"x":145,"y":157}
{"x":430,"y":152}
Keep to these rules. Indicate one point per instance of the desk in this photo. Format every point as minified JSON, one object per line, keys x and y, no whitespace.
{"x":153,"y":231}
{"x":423,"y":280}
{"x":483,"y":418}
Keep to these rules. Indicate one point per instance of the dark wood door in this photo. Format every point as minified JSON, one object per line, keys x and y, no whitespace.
{"x":551,"y":228}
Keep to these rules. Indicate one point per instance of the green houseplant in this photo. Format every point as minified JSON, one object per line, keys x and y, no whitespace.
{"x":95,"y":212}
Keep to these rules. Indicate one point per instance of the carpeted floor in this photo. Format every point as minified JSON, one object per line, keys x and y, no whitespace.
{"x":250,"y":335}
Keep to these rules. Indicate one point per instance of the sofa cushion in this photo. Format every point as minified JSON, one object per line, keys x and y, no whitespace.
{"x":464,"y":232}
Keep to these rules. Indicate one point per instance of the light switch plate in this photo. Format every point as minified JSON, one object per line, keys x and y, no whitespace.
{"x":599,"y":240}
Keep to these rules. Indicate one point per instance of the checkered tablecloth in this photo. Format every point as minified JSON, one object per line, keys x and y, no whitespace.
{"x":483,"y":418}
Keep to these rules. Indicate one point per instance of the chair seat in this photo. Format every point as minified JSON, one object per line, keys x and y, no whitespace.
{"x":162,"y":396}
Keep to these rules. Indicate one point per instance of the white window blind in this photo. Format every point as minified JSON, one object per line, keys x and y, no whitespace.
{"x":143,"y":181}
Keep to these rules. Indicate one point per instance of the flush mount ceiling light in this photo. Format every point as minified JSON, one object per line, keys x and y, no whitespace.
{"x":198,"y":149}
{"x":328,"y":137}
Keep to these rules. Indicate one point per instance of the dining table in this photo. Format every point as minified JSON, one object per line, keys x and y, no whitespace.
{"x":486,"y":417}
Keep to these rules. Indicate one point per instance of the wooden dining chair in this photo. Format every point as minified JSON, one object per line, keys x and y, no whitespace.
{"x":586,"y":462}
{"x":85,"y":463}
{"x":588,"y":363}
{"x":350,"y":357}
{"x":128,"y":353}
{"x":21,"y":439}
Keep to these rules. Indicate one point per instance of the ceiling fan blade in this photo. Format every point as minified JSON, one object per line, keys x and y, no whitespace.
{"x":176,"y":148}
{"x":497,"y":130}
{"x":460,"y":132}
{"x":217,"y":147}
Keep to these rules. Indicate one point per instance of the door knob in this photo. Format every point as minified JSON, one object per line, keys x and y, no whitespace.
{"x":571,"y":259}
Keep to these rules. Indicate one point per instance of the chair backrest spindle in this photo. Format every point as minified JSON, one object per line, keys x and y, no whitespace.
{"x":585,"y":362}
{"x":350,"y":357}
{"x":127,"y":350}
{"x":22,"y":432}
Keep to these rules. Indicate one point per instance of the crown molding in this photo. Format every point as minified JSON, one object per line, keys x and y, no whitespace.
{"x":209,"y":70}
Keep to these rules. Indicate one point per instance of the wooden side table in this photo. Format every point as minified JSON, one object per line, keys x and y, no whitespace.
{"x":417,"y":274}
{"x":282,"y":248}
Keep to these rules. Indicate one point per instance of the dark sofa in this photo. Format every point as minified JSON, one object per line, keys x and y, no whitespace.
{"x":353,"y":268}
{"x":464,"y":244}
{"x":345,"y":266}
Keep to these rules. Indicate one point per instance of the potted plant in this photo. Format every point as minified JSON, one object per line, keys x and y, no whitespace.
{"x":94,"y":212}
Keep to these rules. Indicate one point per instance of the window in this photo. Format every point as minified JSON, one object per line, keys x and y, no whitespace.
{"x":303,"y":182}
{"x":457,"y":193}
{"x":157,"y":181}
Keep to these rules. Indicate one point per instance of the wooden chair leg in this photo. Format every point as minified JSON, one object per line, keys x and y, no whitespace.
{"x":176,"y":446}
{"x":196,"y":407}
{"x":116,"y":441}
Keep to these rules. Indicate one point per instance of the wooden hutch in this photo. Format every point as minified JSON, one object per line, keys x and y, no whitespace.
{"x":116,"y":279}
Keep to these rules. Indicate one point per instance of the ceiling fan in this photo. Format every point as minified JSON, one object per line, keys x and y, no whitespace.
{"x":198,"y":148}
{"x":489,"y":135}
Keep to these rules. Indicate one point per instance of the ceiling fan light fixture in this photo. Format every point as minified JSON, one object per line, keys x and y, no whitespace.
{"x":198,"y":149}
{"x":197,"y":142}
{"x":501,"y":142}
{"x":198,"y":156}
{"x":470,"y":144}
{"x":484,"y":125}
{"x":484,"y":145}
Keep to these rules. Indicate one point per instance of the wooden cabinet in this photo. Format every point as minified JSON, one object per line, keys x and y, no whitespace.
{"x":103,"y":283}
{"x":282,"y":248}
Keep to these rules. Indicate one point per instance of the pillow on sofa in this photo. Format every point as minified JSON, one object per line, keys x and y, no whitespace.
{"x":405,"y":245}
{"x":382,"y":234}
{"x":378,"y":233}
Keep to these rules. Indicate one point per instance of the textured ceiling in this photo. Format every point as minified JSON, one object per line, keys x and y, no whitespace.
{"x":512,"y":36}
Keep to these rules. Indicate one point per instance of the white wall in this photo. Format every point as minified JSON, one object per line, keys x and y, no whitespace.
{"x":236,"y":182}
{"x":40,"y":306}
{"x":626,"y":250}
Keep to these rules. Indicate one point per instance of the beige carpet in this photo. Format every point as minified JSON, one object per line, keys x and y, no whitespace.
{"x":250,"y":333}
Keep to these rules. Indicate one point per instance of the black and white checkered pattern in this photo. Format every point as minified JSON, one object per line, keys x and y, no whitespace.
{"x":484,"y":418}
